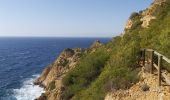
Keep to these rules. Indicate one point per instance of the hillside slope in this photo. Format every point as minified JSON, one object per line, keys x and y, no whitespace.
{"x":112,"y":67}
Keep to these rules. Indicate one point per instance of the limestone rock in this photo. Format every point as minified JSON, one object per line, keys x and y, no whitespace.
{"x":53,"y":74}
{"x":148,"y":13}
{"x":147,"y":16}
{"x":146,"y":20}
{"x":128,"y":24}
{"x":96,"y":44}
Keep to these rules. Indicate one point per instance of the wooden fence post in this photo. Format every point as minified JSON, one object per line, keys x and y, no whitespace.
{"x":152,"y":54}
{"x":144,"y":57}
{"x":159,"y":69}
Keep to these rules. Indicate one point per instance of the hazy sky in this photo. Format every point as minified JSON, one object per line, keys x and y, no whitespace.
{"x":69,"y":18}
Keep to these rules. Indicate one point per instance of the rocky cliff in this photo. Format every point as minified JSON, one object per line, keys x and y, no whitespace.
{"x":146,"y":16}
{"x":52,"y":75}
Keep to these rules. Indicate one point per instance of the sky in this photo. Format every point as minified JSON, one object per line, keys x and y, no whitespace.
{"x":66,"y":18}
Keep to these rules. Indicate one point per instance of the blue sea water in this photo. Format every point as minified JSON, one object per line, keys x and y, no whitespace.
{"x":23,"y":59}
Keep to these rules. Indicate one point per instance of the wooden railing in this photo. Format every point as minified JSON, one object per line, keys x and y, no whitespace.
{"x":148,"y":56}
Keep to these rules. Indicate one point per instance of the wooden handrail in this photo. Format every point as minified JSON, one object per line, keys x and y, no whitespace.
{"x":158,"y":54}
{"x":157,"y":65}
{"x":166,"y":59}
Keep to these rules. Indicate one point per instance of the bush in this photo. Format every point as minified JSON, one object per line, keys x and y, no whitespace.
{"x":52,"y":85}
{"x":133,"y":15}
{"x":68,"y":52}
{"x":119,"y":72}
{"x":89,"y":67}
{"x":65,"y":62}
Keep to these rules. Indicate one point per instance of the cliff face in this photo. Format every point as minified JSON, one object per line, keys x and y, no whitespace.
{"x":52,"y":75}
{"x":146,"y":15}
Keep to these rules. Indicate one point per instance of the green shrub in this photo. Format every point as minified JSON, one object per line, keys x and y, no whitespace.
{"x":89,"y":67}
{"x":52,"y":85}
{"x":65,"y":62}
{"x":133,"y":15}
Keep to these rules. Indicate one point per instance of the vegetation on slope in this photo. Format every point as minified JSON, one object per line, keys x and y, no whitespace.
{"x":89,"y":67}
{"x":113,"y":66}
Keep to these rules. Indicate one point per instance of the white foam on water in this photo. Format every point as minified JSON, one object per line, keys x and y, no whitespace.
{"x":28,"y":91}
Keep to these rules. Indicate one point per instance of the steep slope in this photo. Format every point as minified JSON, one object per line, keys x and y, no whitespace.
{"x":108,"y":69}
{"x":51,"y":77}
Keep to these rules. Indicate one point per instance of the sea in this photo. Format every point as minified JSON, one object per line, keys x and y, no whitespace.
{"x":22,"y":59}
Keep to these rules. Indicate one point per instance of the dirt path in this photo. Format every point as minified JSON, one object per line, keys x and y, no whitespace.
{"x":146,"y":89}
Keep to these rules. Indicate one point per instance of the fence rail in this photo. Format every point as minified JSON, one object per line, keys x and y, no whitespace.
{"x":157,"y":64}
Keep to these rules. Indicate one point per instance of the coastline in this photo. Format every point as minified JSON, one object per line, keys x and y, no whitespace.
{"x":51,"y":77}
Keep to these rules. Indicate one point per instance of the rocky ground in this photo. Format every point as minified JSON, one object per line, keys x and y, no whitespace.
{"x":146,"y":89}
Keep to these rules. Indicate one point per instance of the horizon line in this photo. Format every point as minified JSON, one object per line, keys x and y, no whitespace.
{"x":55,"y":37}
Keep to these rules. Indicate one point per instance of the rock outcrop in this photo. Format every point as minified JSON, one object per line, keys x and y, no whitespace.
{"x":146,"y":15}
{"x":51,"y":77}
{"x":129,"y":24}
{"x":96,"y":44}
